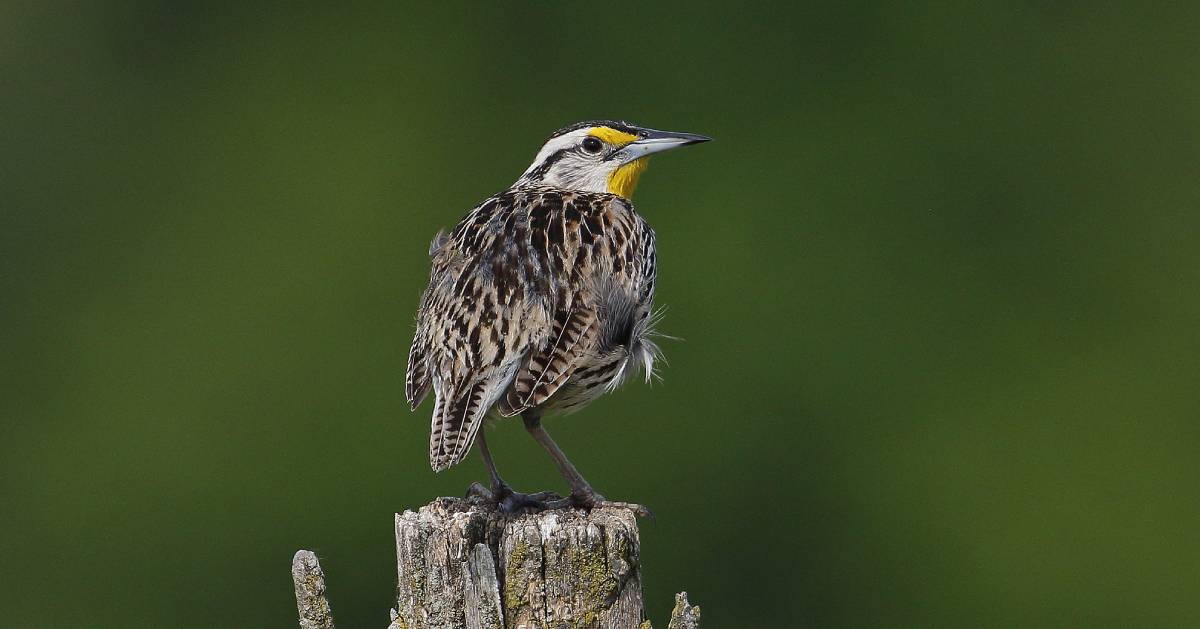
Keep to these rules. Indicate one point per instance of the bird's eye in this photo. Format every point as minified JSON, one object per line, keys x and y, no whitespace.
{"x":592,"y":145}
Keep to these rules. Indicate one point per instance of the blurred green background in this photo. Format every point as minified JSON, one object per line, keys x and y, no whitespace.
{"x":937,"y":280}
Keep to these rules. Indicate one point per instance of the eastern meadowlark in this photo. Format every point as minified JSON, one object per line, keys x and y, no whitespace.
{"x":540,"y":300}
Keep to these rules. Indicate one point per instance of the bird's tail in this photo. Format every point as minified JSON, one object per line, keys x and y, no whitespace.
{"x":457,"y":417}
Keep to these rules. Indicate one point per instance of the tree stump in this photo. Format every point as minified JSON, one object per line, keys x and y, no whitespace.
{"x":462,"y":565}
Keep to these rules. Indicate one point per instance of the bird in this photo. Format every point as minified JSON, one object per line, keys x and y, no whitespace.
{"x":540,"y":300}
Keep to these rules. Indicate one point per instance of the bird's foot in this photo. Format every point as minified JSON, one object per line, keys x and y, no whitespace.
{"x":516,"y":502}
{"x":591,"y":499}
{"x":509,"y":501}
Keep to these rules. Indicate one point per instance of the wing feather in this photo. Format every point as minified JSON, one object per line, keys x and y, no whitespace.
{"x":551,"y":368}
{"x":416,"y":380}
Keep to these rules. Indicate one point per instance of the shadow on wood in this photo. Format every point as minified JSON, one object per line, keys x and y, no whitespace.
{"x":460,"y":564}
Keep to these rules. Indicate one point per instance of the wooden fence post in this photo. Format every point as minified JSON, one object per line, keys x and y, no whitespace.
{"x":462,"y":565}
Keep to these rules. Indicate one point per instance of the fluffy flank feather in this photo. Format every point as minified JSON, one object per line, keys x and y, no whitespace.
{"x":649,"y":353}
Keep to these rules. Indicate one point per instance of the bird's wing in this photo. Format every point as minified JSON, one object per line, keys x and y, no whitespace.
{"x":607,"y":260}
{"x":547,"y":369}
{"x":474,"y":319}
{"x":416,"y":379}
{"x":513,"y":302}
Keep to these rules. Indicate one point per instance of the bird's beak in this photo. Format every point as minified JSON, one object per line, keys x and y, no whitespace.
{"x":651,"y":141}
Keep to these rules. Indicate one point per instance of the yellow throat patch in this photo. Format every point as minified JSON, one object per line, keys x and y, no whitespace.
{"x":624,"y":180}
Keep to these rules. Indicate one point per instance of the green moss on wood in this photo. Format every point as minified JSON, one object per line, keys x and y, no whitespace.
{"x":514,"y":583}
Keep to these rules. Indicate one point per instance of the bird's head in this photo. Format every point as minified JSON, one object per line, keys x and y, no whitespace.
{"x":600,"y":156}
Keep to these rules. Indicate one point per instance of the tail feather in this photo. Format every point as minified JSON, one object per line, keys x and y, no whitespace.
{"x":436,"y":430}
{"x":454,"y":425}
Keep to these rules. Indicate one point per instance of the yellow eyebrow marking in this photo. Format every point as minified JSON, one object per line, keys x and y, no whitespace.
{"x":611,"y":136}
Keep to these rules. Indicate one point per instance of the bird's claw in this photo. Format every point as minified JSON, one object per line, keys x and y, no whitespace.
{"x":508,"y":501}
{"x":516,"y":502}
{"x":591,"y":500}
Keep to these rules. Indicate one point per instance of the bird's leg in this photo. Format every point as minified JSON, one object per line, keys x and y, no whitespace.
{"x":582,"y":494}
{"x":500,"y":492}
{"x":581,"y":490}
{"x":498,"y":484}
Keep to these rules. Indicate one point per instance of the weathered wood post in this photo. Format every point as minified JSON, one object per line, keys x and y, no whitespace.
{"x":460,"y":564}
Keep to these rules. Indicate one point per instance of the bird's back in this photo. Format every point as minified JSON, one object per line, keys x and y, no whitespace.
{"x":539,"y":298}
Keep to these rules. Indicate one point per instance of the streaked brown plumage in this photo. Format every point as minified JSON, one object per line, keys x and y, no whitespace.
{"x":540,"y":299}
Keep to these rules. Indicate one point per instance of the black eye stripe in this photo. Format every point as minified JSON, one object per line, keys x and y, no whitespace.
{"x":544,"y":167}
